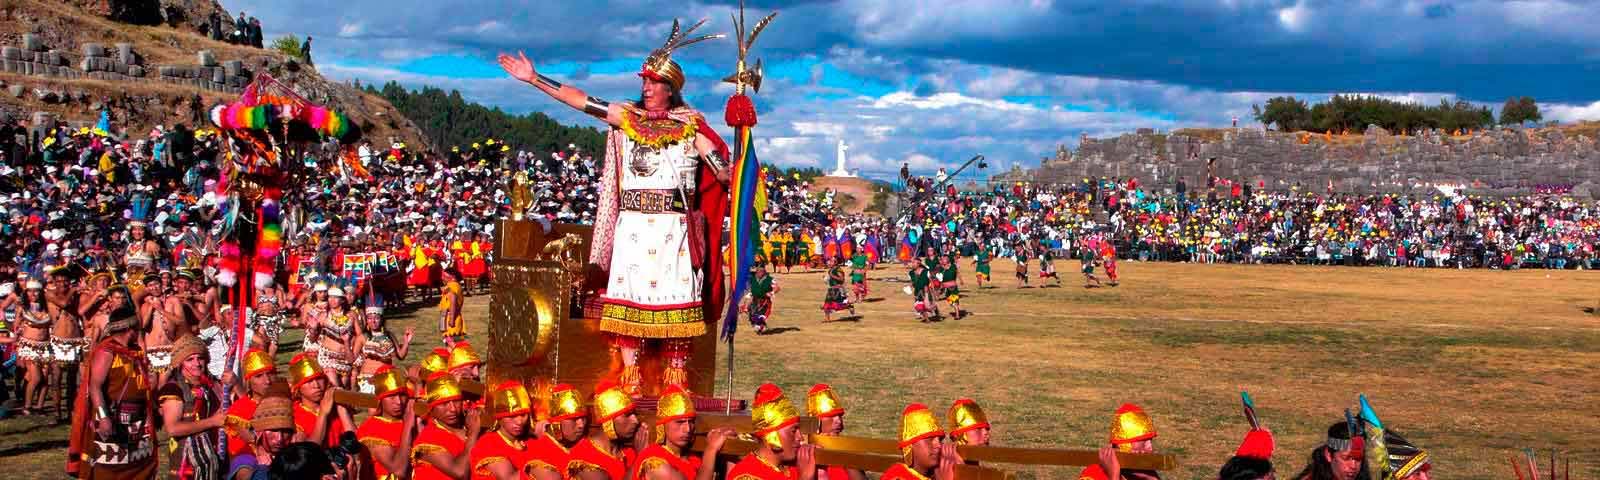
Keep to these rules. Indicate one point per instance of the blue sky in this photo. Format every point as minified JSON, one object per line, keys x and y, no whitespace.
{"x":932,"y":83}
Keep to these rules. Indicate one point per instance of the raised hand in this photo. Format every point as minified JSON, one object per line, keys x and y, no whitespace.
{"x":518,"y":66}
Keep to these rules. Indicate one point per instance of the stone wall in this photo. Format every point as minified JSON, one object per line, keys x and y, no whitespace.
{"x":120,"y":63}
{"x":1504,"y":161}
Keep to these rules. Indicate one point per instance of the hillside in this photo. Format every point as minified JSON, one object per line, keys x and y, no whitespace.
{"x":67,"y":59}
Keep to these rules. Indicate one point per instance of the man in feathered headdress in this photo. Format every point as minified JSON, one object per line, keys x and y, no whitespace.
{"x":662,"y":200}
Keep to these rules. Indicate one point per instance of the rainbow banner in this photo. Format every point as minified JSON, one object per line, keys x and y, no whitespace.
{"x":749,"y":202}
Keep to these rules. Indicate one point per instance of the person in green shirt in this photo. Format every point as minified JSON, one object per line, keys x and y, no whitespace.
{"x":981,"y":261}
{"x":920,"y":291}
{"x":1022,"y":264}
{"x":762,"y":286}
{"x":836,"y":298}
{"x":858,"y":275}
{"x":797,"y":256}
{"x":950,"y":283}
{"x":1047,"y":266}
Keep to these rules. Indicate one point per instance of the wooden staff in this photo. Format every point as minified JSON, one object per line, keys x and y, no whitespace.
{"x":1023,"y":456}
{"x":858,"y":460}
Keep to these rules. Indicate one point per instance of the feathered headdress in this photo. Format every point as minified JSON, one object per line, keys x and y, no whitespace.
{"x":659,"y":65}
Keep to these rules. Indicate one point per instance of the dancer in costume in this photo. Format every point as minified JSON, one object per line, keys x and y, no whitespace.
{"x":1021,"y":256}
{"x":33,"y":346}
{"x":836,"y":299}
{"x":922,"y":293}
{"x":336,"y":334}
{"x":1109,"y":254}
{"x":1252,"y":460}
{"x":1340,"y":457}
{"x":762,"y":286}
{"x":663,"y":197}
{"x":452,"y":326}
{"x":858,"y":274}
{"x":1088,"y":259}
{"x":980,"y":262}
{"x":1047,"y":266}
{"x":113,"y":436}
{"x":950,"y":285}
{"x":377,"y":346}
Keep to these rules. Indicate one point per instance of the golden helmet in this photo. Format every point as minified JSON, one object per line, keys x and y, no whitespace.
{"x":435,"y":364}
{"x":257,"y":362}
{"x":966,"y":415}
{"x":509,"y":399}
{"x":917,"y":423}
{"x":770,"y":412}
{"x":610,"y":402}
{"x":1130,"y":424}
{"x":303,"y":368}
{"x":442,"y":389}
{"x":388,"y":382}
{"x":674,"y":404}
{"x":822,"y":402}
{"x":462,"y":356}
{"x":659,"y":65}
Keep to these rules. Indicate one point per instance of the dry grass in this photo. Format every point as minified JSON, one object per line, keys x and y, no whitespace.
{"x":1470,"y":364}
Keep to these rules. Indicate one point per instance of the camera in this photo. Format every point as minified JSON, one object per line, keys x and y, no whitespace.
{"x":347,"y":449}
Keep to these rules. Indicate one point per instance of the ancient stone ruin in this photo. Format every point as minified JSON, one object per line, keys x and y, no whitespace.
{"x":121,"y":63}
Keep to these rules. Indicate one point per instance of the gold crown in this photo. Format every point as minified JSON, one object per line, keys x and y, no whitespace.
{"x":1130,"y":425}
{"x":442,"y":389}
{"x":772,"y":412}
{"x":565,"y":403}
{"x":966,"y":415}
{"x":610,"y":402}
{"x":257,"y":362}
{"x":303,"y":369}
{"x":659,"y":65}
{"x":822,"y":402}
{"x":509,"y":399}
{"x":389,"y":382}
{"x":917,"y":423}
{"x":463,"y":356}
{"x":435,"y":364}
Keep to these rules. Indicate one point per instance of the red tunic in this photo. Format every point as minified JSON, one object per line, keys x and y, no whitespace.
{"x":835,"y":472}
{"x":434,"y":438}
{"x":1092,"y":472}
{"x":305,"y":423}
{"x":752,"y":467}
{"x":658,"y":454}
{"x":587,"y":454}
{"x":381,"y":431}
{"x":901,"y":472}
{"x":545,"y":453}
{"x":497,"y":447}
{"x":239,"y":414}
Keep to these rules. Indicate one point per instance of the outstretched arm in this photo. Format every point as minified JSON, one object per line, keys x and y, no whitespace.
{"x":522,"y":69}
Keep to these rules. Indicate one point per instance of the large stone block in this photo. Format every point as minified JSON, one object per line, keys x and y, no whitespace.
{"x":206,"y":58}
{"x":124,"y":48}
{"x":17,"y":91}
{"x":32,"y":42}
{"x":94,"y":50}
{"x":128,"y":58}
{"x":10,"y":53}
{"x":135,"y":71}
{"x":233,"y":67}
{"x":218,"y":75}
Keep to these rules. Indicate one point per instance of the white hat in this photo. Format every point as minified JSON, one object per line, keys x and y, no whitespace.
{"x":7,"y":288}
{"x":321,"y":287}
{"x":336,"y":292}
{"x":35,"y":285}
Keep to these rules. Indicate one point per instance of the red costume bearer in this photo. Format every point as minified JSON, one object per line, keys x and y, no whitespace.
{"x":675,"y":404}
{"x":663,"y":197}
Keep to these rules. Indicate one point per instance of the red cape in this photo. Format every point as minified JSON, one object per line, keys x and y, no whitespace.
{"x":713,"y":203}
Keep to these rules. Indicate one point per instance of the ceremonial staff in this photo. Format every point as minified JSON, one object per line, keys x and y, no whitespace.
{"x":749,"y":195}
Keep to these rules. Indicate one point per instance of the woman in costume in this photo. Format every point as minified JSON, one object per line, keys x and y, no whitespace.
{"x":663,"y":185}
{"x":836,"y":299}
{"x":312,"y":308}
{"x":1047,"y":265}
{"x":980,"y":261}
{"x":858,"y":274}
{"x":950,"y":286}
{"x":336,"y":333}
{"x":1022,"y":264}
{"x":762,"y":286}
{"x":33,"y":345}
{"x":378,"y":348}
{"x":266,"y":321}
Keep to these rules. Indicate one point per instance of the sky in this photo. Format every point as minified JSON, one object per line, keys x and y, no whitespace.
{"x":933,"y":83}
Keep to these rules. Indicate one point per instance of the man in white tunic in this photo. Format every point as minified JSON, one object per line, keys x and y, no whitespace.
{"x":662,"y":186}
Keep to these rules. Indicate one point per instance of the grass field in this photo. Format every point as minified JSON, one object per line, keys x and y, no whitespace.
{"x":1472,"y":365}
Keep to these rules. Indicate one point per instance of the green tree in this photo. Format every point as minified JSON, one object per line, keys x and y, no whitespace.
{"x":1288,"y":113}
{"x":1518,"y":110}
{"x":288,"y":45}
{"x":449,"y":120}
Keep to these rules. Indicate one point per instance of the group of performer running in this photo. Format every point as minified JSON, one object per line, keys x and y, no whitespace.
{"x":934,"y":277}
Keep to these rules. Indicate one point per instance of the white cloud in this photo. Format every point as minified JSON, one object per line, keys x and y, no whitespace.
{"x":1294,"y":18}
{"x":351,"y":29}
{"x":1571,"y":113}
